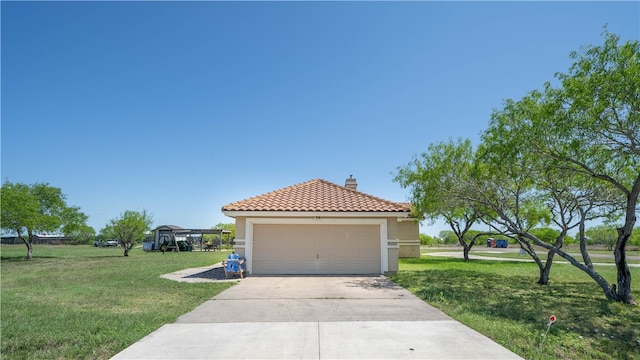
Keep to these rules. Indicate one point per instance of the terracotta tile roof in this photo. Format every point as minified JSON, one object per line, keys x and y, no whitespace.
{"x":317,"y":195}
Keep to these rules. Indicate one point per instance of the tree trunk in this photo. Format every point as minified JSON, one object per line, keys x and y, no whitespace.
{"x":544,"y":274}
{"x":624,"y":275}
{"x":608,"y":290}
{"x":624,"y":233}
{"x":127,"y":247}
{"x":28,"y":242}
{"x":551,"y":251}
{"x":583,"y":245}
{"x":546,"y":269}
{"x":455,"y":226}
{"x":465,"y":252}
{"x":526,"y":246}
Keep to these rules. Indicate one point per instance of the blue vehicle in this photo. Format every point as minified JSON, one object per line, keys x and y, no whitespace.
{"x":502,"y":243}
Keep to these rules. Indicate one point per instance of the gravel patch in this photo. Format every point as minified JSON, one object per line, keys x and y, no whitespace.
{"x":198,"y":275}
{"x":216,"y":273}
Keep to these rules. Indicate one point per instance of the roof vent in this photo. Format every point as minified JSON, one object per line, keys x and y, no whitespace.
{"x":351,"y":183}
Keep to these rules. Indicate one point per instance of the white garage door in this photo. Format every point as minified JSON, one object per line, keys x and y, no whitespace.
{"x":316,"y":249}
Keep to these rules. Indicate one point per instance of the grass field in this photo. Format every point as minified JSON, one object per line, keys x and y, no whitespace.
{"x":81,"y":302}
{"x":597,"y":256}
{"x":543,"y":257}
{"x":501,"y":300}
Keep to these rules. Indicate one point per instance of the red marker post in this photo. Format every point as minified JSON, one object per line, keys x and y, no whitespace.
{"x":552,"y":319}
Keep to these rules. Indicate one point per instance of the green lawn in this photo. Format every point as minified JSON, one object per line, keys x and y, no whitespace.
{"x":597,"y":256}
{"x":501,"y":300}
{"x":81,"y":302}
{"x":543,"y":257}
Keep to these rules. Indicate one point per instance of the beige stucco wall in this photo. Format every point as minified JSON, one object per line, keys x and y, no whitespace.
{"x":409,"y":239}
{"x":392,"y":228}
{"x":397,"y":234}
{"x":393,"y":251}
{"x":393,"y":260}
{"x":240,"y":227}
{"x":240,"y":236}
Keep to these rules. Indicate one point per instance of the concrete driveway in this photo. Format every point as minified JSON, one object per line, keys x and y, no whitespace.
{"x":315,"y":318}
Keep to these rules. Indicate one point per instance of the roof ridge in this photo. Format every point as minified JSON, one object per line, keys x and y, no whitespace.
{"x":268,"y":193}
{"x":361,"y":192}
{"x":317,"y":195}
{"x":284,"y":188}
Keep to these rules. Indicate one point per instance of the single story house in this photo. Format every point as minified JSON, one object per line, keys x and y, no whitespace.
{"x":39,"y":239}
{"x":318,"y":227}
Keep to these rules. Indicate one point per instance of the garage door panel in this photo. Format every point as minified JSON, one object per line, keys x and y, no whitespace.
{"x":316,"y":249}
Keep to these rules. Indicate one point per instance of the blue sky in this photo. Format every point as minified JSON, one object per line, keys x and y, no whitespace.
{"x":182,"y":107}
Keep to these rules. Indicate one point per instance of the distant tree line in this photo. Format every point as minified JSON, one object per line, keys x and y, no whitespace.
{"x":28,"y":210}
{"x":600,"y":235}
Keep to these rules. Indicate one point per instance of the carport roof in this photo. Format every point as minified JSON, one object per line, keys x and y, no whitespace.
{"x":317,"y":196}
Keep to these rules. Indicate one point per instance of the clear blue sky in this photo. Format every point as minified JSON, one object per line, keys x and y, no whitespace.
{"x":181,"y":108}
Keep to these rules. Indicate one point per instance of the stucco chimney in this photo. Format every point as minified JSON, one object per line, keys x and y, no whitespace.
{"x":351,"y":183}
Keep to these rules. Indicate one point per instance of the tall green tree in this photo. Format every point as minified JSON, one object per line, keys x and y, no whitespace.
{"x":128,"y":229}
{"x":228,"y":226}
{"x":30,"y":209}
{"x":435,"y":179}
{"x":447,"y":237}
{"x":546,"y":233}
{"x":222,"y":239}
{"x":82,"y":235}
{"x":602,"y":235}
{"x":600,"y":102}
{"x":428,"y":240}
{"x":502,"y":188}
{"x":582,"y":139}
{"x":533,"y":192}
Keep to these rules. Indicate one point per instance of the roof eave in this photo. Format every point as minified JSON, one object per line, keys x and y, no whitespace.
{"x":341,"y":214}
